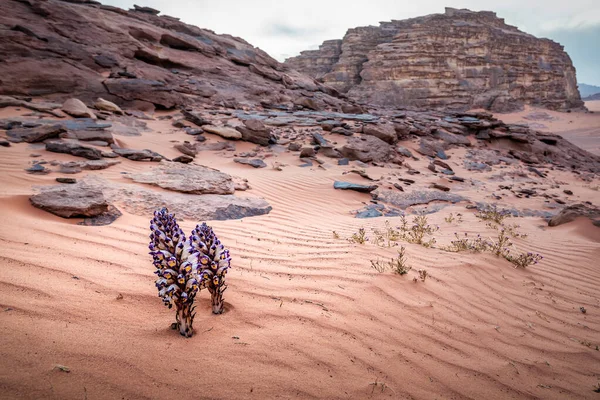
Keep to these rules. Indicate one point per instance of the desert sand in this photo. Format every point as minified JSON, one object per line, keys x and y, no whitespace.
{"x":306,"y":316}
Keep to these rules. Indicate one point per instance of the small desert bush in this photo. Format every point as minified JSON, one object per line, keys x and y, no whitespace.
{"x":419,"y":230}
{"x":396,"y":264}
{"x":451,"y":218}
{"x":359,"y":237}
{"x":493,"y":214}
{"x":524,"y":260}
{"x":464,"y":243}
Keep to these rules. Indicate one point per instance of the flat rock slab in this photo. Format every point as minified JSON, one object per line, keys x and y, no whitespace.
{"x":91,"y":165}
{"x":408,"y":199}
{"x":138,"y":155}
{"x":255,"y":162}
{"x":67,"y":201}
{"x":138,"y":200}
{"x":32,"y":135}
{"x":74,"y":148}
{"x":354,"y":186}
{"x":186,"y":178}
{"x":572,"y":212}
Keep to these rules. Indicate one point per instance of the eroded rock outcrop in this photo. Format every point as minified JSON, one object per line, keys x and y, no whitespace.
{"x":86,"y":50}
{"x":458,"y":60}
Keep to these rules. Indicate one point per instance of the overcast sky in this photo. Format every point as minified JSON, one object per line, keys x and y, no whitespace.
{"x":283,"y":28}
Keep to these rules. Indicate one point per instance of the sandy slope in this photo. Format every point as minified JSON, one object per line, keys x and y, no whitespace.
{"x":306,"y":316}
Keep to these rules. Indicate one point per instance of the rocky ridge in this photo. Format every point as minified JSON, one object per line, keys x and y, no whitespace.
{"x":457,"y":60}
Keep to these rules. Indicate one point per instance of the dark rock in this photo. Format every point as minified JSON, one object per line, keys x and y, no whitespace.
{"x":254,"y":131}
{"x":318,"y":139}
{"x":66,"y":180}
{"x":476,"y":166}
{"x":187,"y":148}
{"x":37,"y":134}
{"x":256,"y":162}
{"x":343,"y":161}
{"x":92,"y":165}
{"x":352,"y":109}
{"x":369,"y":213}
{"x":193,"y":131}
{"x":74,"y":148}
{"x":147,"y":10}
{"x":342,"y":131}
{"x":307,"y":152}
{"x":404,"y":151}
{"x":38,"y":169}
{"x":354,"y":186}
{"x":94,"y":135}
{"x":71,"y":201}
{"x":457,"y":179}
{"x":183,"y":159}
{"x":4,"y":143}
{"x":569,"y":192}
{"x":106,"y":61}
{"x":399,"y":187}
{"x":103,"y":219}
{"x":138,"y":155}
{"x":440,"y":187}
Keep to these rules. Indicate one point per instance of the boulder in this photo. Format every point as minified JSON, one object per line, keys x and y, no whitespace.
{"x":76,"y":108}
{"x":71,"y":201}
{"x":385,"y":132}
{"x":106,"y":105}
{"x":367,"y":149}
{"x":187,"y":148}
{"x":223,"y":131}
{"x":404,"y":200}
{"x":138,"y":155}
{"x":255,"y":131}
{"x":74,"y":148}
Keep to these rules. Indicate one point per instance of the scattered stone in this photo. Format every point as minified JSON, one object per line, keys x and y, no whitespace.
{"x":342,"y":131}
{"x":354,"y":186}
{"x":457,"y":179}
{"x":71,"y":201}
{"x":103,"y":219}
{"x":66,"y":180}
{"x":35,"y":134}
{"x":404,"y":151}
{"x":440,"y":187}
{"x":195,"y":118}
{"x":307,"y":152}
{"x":476,"y":166}
{"x":343,"y":161}
{"x":106,"y":105}
{"x":223,"y":131}
{"x":183,"y":159}
{"x":255,"y":131}
{"x":74,"y":148}
{"x":186,"y":178}
{"x":76,"y":108}
{"x":255,"y":162}
{"x":385,"y":132}
{"x":138,"y":155}
{"x":87,"y":136}
{"x":92,"y":165}
{"x":294,"y":146}
{"x":569,"y":192}
{"x":319,"y":140}
{"x":38,"y":169}
{"x":399,"y":187}
{"x":187,"y":148}
{"x":4,"y":143}
{"x":193,"y":131}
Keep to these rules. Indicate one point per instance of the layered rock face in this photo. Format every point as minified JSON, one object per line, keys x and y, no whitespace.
{"x":456,"y":60}
{"x":136,"y":58}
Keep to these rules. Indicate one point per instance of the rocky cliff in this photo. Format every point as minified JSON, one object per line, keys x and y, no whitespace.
{"x":458,"y":60}
{"x":60,"y":49}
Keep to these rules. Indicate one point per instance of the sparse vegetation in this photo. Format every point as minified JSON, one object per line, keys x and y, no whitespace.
{"x":359,"y":237}
{"x":388,"y":237}
{"x":451,"y":218}
{"x":419,"y":230}
{"x":398,"y":264}
{"x":465,"y":243}
{"x":336,"y":235}
{"x":500,"y":247}
{"x":423,"y":275}
{"x":524,"y":259}
{"x":493,"y":214}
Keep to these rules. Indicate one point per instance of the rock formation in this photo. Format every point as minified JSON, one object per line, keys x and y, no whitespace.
{"x":138,"y":59}
{"x":456,"y":60}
